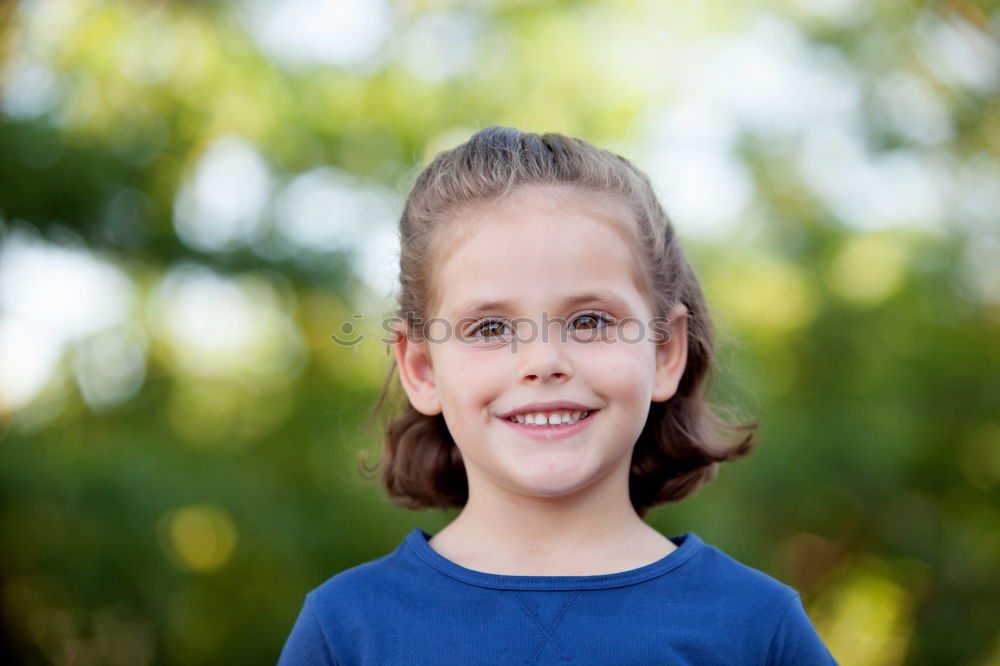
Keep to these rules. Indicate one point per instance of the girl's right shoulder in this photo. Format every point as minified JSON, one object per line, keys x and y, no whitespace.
{"x":362,"y":581}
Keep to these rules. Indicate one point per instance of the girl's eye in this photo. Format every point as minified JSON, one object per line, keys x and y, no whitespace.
{"x":592,"y":320}
{"x":590,"y":323}
{"x":489,"y":328}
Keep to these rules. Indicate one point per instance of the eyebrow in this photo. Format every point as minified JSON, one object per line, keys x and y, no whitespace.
{"x":608,"y":299}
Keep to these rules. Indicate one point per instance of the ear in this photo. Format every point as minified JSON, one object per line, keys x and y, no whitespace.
{"x":671,"y":356}
{"x":416,"y":373}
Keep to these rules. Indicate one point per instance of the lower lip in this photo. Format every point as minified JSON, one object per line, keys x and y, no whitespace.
{"x":551,"y":432}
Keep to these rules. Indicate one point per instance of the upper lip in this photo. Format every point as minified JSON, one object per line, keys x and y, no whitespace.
{"x":558,"y":405}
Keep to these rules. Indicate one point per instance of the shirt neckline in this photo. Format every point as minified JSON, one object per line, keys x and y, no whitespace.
{"x":687,"y":545}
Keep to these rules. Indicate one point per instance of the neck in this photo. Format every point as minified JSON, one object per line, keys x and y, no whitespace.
{"x":597,"y":531}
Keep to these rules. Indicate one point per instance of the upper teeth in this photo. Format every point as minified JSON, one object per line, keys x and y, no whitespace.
{"x":551,"y":418}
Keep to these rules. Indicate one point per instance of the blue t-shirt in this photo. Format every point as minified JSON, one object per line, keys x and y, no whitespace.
{"x":413,"y":606}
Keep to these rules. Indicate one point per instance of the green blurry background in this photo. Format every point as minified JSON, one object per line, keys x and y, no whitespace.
{"x":195,"y":195}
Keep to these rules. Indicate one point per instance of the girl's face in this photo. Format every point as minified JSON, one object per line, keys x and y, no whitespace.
{"x":542,"y":255}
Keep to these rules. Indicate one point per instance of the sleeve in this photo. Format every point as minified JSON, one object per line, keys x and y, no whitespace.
{"x":307,"y":644}
{"x":796,"y":641}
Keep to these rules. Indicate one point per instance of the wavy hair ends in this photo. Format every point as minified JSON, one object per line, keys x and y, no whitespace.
{"x":684,"y":439}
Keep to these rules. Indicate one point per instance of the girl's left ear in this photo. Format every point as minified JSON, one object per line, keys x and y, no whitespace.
{"x":671,"y":356}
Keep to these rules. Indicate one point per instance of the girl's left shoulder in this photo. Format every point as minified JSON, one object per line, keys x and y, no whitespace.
{"x":721,"y":576}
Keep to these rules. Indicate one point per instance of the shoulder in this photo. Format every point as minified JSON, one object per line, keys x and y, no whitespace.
{"x":343,"y":607}
{"x":358,"y":582}
{"x":728,"y":571}
{"x":366,"y":588}
{"x":714,"y":581}
{"x":766,"y":610}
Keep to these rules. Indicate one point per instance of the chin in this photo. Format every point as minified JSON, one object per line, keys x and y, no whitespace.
{"x":554,"y":486}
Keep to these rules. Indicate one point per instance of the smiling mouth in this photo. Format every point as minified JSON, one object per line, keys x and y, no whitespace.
{"x":554,"y":421}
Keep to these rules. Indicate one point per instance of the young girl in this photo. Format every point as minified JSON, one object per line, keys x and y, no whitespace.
{"x":553,"y":344}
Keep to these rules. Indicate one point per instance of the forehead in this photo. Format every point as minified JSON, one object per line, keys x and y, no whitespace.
{"x":548,"y":200}
{"x":537,"y":239}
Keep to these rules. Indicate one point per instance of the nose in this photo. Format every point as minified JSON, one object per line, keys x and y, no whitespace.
{"x":543,"y":359}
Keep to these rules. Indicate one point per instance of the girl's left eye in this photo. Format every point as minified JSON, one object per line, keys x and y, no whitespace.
{"x":593,"y":321}
{"x":489,"y":328}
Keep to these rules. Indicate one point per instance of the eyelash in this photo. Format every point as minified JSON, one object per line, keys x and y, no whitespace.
{"x":599,"y":316}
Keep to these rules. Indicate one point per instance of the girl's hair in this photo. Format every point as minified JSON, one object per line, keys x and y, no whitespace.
{"x":683,"y":440}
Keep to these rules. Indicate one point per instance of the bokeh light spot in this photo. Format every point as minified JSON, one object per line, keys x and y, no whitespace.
{"x":306,"y":32}
{"x":220,"y":207}
{"x":868,"y":269}
{"x":766,"y":296}
{"x":201,"y":537}
{"x":865,"y":618}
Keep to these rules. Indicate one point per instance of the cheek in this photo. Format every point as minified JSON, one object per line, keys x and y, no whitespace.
{"x":471,"y":376}
{"x":621,"y":368}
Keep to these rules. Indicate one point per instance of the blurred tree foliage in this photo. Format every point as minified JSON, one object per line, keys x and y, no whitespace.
{"x":186,"y":473}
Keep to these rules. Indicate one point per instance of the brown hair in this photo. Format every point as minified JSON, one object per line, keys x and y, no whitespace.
{"x":683,"y":440}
